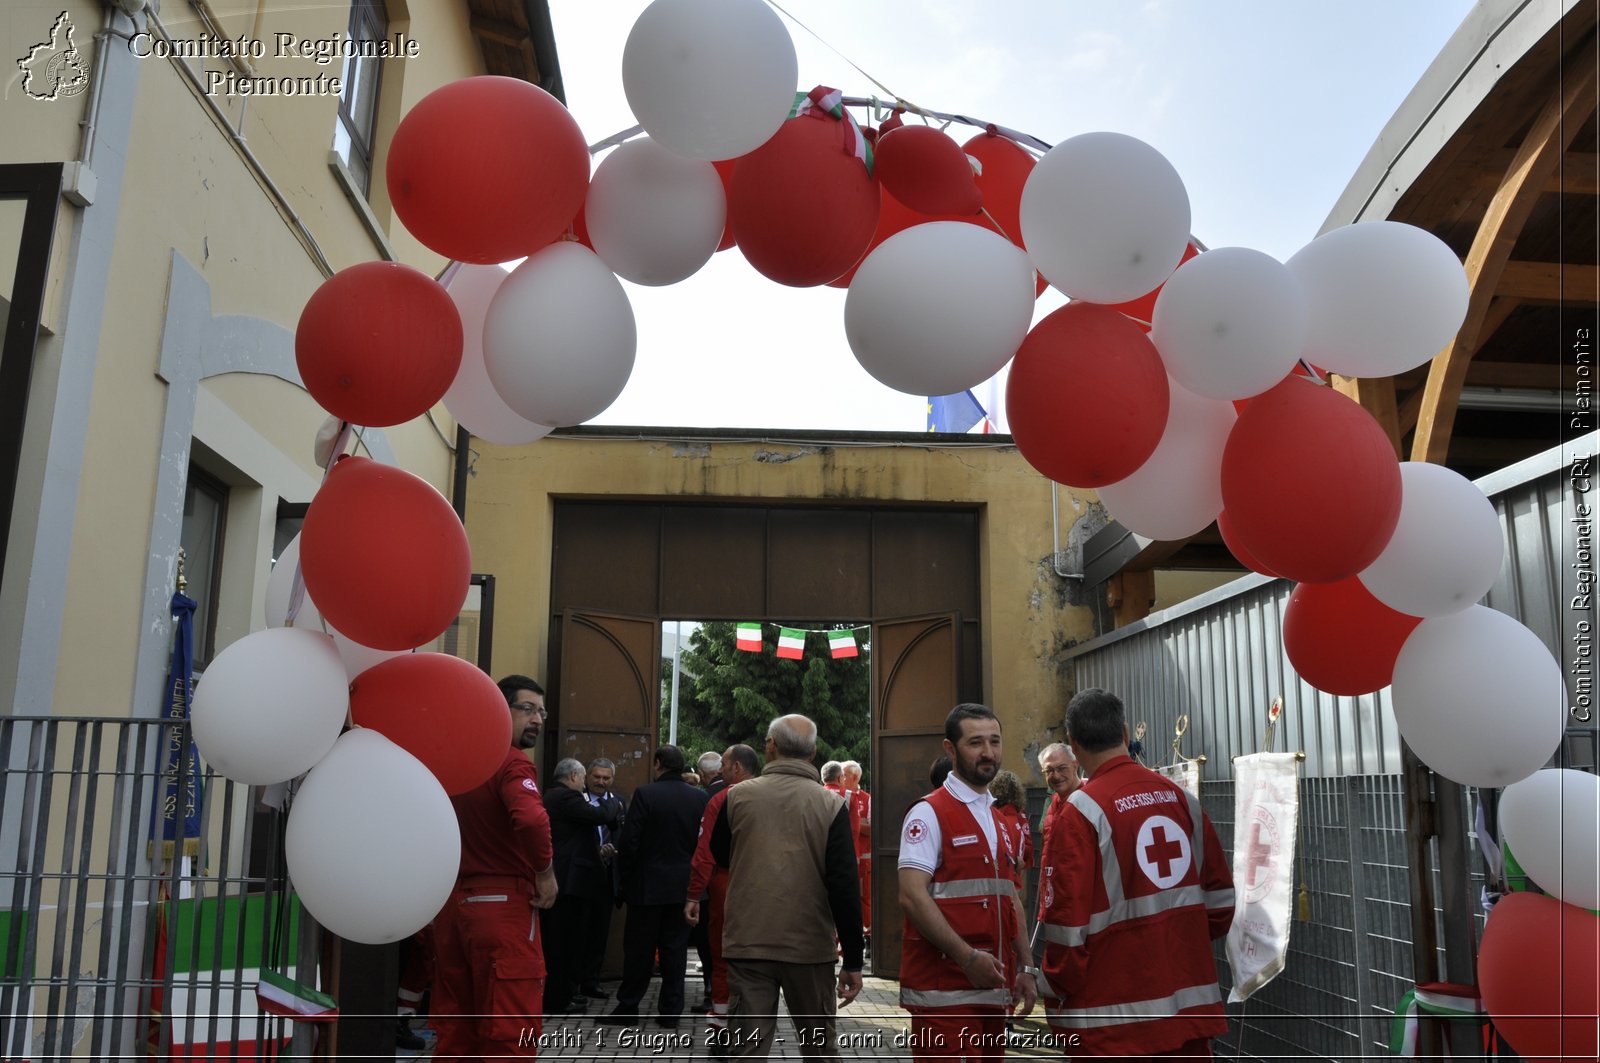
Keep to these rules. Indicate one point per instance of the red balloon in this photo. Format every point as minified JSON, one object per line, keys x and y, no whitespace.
{"x":927,"y":171}
{"x":1310,"y":483}
{"x":487,"y":169}
{"x":1005,"y":170}
{"x":1143,"y":308}
{"x":725,"y":171}
{"x":1230,"y":538}
{"x":802,"y":206}
{"x":384,"y":556}
{"x":1087,"y":396}
{"x":378,"y":343}
{"x":1341,"y":639}
{"x":441,"y":710}
{"x":1539,"y":973}
{"x":893,"y":217}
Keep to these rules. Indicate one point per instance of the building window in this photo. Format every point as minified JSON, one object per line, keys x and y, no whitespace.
{"x":205,"y":512}
{"x":358,"y":101}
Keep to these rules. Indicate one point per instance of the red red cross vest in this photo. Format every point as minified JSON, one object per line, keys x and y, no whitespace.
{"x":975,"y":898}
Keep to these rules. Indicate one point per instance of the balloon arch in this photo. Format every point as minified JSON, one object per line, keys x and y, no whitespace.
{"x":1169,"y":383}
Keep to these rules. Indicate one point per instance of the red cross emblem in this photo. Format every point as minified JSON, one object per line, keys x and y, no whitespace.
{"x":916,"y":830}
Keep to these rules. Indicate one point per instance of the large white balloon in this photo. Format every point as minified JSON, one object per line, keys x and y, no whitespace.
{"x":372,"y":844}
{"x":271,"y":705}
{"x":710,"y":79}
{"x":1447,"y":549}
{"x":1551,"y":821}
{"x":654,"y":217}
{"x":358,"y":658}
{"x":1105,"y":217}
{"x":280,"y":585}
{"x":1479,"y":698}
{"x":1177,"y":492}
{"x":1383,"y":297}
{"x":559,"y":336}
{"x":939,"y":307}
{"x":1230,"y":323}
{"x":472,"y":399}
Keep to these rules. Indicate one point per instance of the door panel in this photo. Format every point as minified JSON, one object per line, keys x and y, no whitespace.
{"x":610,"y":684}
{"x":915,"y":684}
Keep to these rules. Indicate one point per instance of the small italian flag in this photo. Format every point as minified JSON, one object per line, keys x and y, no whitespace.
{"x":278,"y":994}
{"x":791,"y":643}
{"x":749,"y":637}
{"x":842,"y":643}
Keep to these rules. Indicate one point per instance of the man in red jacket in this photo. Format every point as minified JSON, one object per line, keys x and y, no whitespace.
{"x":1135,"y":891}
{"x":489,"y":985}
{"x":963,"y":926}
{"x":708,"y":881}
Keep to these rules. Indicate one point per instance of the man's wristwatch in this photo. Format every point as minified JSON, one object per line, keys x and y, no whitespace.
{"x":1033,"y":971}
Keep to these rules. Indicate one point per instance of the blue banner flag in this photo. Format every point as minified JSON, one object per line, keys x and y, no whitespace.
{"x":954,"y":413}
{"x":177,"y":811}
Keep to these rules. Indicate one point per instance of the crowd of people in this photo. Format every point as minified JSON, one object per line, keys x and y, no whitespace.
{"x":763,"y":863}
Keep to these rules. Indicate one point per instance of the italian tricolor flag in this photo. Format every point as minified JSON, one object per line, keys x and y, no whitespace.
{"x":842,"y":643}
{"x":749,"y":637}
{"x":278,"y":994}
{"x":791,"y":643}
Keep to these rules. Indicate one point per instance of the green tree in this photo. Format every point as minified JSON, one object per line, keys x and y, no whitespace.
{"x":728,"y":695}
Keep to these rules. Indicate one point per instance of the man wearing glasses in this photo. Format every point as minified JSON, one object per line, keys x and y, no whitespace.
{"x":489,"y":986}
{"x":1060,"y":769}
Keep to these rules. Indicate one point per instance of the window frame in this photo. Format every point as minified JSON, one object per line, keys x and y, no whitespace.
{"x":371,"y":16}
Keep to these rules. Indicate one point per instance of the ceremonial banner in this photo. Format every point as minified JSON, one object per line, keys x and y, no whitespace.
{"x":1186,"y":773}
{"x":1266,"y":805}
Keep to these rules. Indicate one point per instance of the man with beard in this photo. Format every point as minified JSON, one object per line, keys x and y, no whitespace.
{"x":963,"y":936}
{"x":489,"y":984}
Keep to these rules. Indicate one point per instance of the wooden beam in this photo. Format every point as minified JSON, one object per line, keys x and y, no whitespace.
{"x":1130,"y":595}
{"x":1535,"y":161}
{"x":499,"y":32}
{"x":1550,"y":282}
{"x":1485,"y":374}
{"x":1578,"y":173}
{"x":1376,"y":396}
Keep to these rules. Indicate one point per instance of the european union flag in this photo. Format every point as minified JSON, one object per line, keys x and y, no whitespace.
{"x":954,"y":413}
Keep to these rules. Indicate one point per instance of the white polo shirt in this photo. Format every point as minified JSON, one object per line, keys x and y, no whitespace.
{"x":920,"y":841}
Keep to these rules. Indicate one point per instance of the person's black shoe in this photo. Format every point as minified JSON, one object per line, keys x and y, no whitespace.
{"x":705,"y":1003}
{"x":669,"y":1021}
{"x":593,"y":991}
{"x":620,"y":1017}
{"x":405,"y":1037}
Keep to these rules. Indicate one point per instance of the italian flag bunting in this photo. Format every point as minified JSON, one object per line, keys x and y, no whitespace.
{"x":278,"y":994}
{"x":791,"y":643}
{"x":750,"y":637}
{"x":842,"y":643}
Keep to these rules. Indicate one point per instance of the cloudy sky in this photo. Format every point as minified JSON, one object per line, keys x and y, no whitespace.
{"x":1265,"y":108}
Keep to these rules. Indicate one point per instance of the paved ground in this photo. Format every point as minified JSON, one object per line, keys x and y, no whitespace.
{"x":873,"y":1027}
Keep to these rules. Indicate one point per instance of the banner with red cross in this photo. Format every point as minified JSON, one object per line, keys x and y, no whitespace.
{"x":1266,"y":807}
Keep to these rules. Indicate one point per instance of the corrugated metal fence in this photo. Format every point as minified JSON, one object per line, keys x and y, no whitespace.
{"x":1219,"y":659}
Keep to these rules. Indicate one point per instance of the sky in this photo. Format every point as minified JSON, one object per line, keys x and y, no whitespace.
{"x":1265,"y":108}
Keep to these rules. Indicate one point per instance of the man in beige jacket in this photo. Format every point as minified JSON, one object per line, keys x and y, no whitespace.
{"x":791,"y":886}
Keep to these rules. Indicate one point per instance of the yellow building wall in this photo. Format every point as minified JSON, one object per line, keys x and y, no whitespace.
{"x":1029,"y":613}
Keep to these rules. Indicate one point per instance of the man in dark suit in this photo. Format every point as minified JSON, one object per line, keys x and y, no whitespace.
{"x":656,"y":847}
{"x":607,"y":891}
{"x":580,"y":874}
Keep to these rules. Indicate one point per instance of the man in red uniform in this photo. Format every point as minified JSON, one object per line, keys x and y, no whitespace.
{"x":708,"y":880}
{"x":1060,"y":769}
{"x":1135,"y":891}
{"x":963,"y":928}
{"x":861,"y":806}
{"x":489,"y":986}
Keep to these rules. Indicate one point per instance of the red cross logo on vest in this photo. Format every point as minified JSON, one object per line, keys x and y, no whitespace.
{"x":1162,"y":850}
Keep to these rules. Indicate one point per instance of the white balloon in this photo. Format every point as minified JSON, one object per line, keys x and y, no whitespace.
{"x":1551,"y":821}
{"x":559,"y":336}
{"x":1177,"y":492}
{"x":654,"y":217}
{"x":939,"y":307}
{"x":1447,"y":549}
{"x":1230,"y":323}
{"x":358,"y":658}
{"x":1105,"y":217}
{"x":372,"y":845}
{"x":1383,"y":297}
{"x":271,"y":705}
{"x":1479,"y":698}
{"x":472,"y":399}
{"x":279,"y":586}
{"x":710,"y":79}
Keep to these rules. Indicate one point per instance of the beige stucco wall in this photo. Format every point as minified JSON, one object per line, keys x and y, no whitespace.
{"x":1028,"y":619}
{"x":189,"y":189}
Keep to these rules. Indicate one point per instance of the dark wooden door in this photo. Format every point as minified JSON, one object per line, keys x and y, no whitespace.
{"x":915,"y":684}
{"x":610,"y":686}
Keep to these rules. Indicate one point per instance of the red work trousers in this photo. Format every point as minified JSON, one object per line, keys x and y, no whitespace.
{"x":946,"y":1035}
{"x":489,"y":983}
{"x":717,"y":903}
{"x":864,"y":876}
